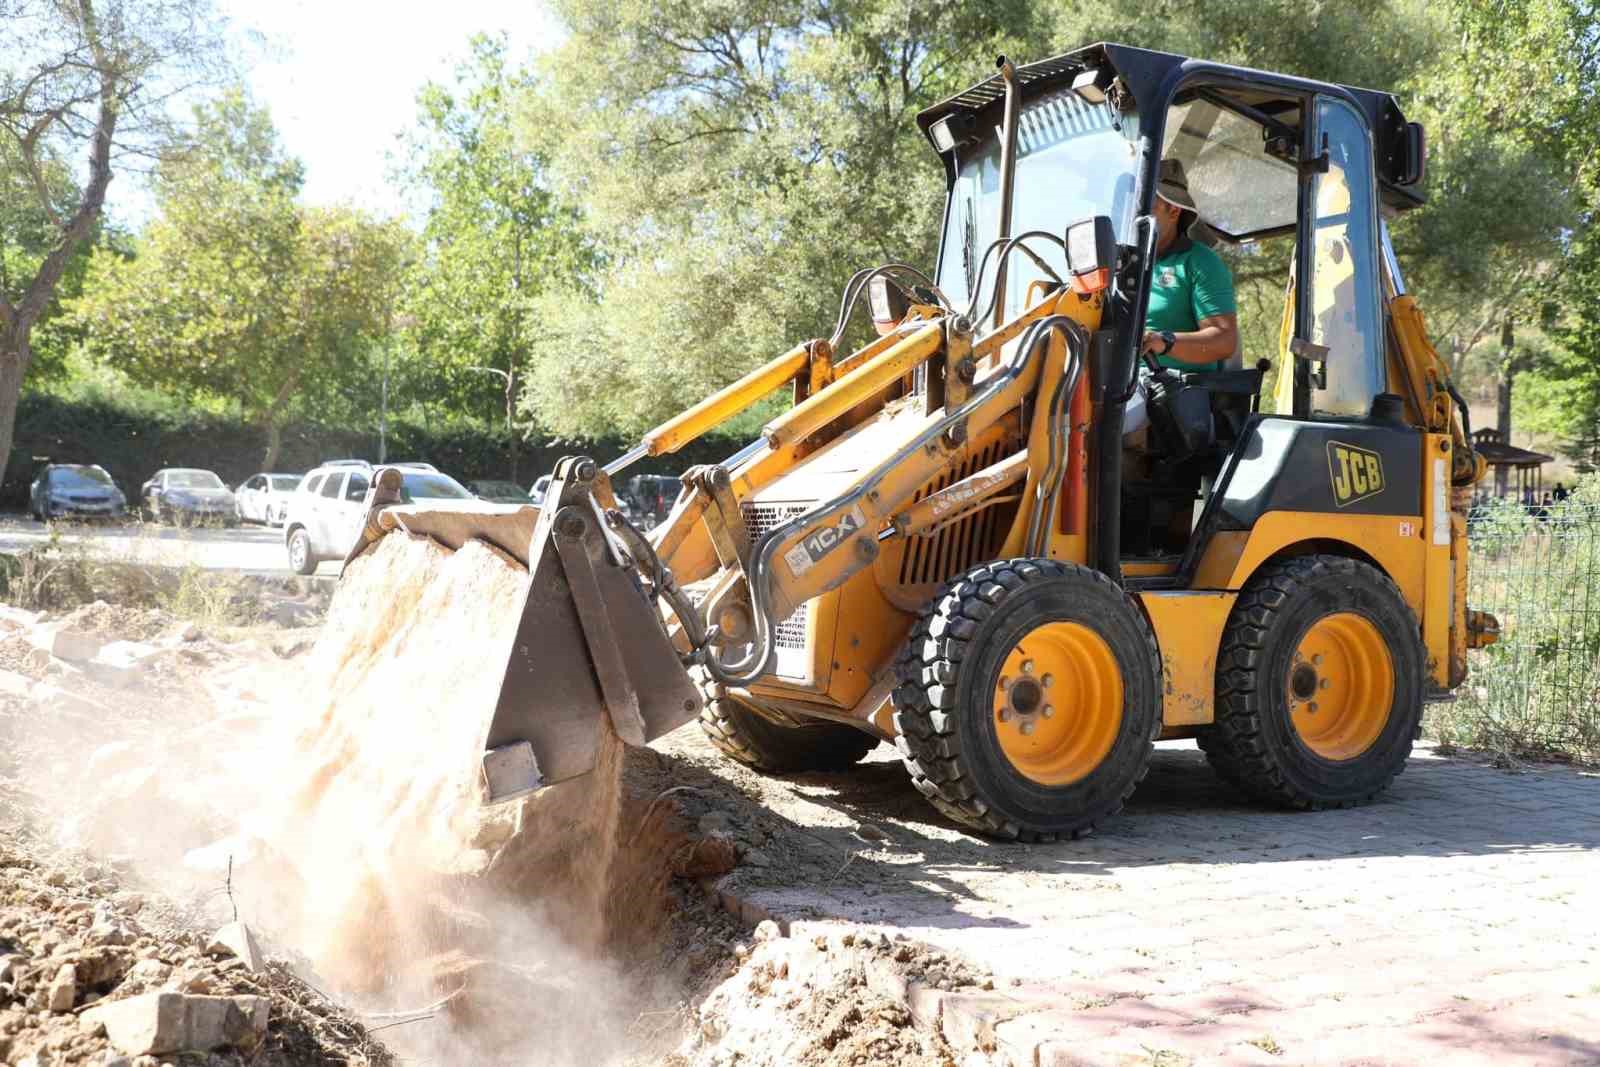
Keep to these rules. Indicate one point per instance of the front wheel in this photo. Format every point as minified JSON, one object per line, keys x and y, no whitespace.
{"x":301,"y":561}
{"x":742,"y":733}
{"x":1029,"y":699}
{"x":1319,"y":684}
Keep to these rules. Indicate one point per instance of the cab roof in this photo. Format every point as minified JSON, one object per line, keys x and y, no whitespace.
{"x":1159,"y":78}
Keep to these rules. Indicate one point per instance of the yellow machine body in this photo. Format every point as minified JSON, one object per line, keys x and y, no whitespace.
{"x":788,"y":579}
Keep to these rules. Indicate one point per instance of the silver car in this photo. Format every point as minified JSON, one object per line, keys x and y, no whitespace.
{"x":325,"y":513}
{"x":79,"y":490}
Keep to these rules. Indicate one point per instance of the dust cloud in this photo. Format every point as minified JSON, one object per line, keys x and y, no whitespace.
{"x":336,"y":798}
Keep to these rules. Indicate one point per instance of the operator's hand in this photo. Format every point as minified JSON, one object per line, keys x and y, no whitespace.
{"x":1151,"y":342}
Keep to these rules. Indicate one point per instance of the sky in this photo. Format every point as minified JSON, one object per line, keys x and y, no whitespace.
{"x":340,"y":78}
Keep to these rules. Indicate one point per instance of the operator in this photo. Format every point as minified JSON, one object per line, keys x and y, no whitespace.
{"x":1191,"y":323}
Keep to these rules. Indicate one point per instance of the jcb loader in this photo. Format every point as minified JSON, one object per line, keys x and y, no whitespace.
{"x":948,"y":542}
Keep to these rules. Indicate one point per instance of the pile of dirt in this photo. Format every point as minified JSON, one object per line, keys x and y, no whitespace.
{"x":551,"y":922}
{"x":126,"y":623}
{"x":334,"y":807}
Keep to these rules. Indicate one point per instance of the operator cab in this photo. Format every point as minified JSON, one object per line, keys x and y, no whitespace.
{"x":1290,"y":179}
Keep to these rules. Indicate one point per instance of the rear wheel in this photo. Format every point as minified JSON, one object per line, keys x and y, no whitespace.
{"x":301,"y":560}
{"x":1319,"y":684}
{"x":1029,"y":699}
{"x":739,"y":731}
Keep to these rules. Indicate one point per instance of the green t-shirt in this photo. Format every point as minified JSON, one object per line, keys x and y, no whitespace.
{"x":1191,"y":283}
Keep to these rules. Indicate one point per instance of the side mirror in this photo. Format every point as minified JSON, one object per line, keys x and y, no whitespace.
{"x":1415,"y":164}
{"x":1091,"y":253}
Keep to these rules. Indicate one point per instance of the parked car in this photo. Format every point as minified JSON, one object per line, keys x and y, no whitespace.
{"x":538,"y":489}
{"x":187,"y":495}
{"x":497,"y":491}
{"x":653,"y":496}
{"x":327,"y":509}
{"x":264,"y":497}
{"x":82,"y":490}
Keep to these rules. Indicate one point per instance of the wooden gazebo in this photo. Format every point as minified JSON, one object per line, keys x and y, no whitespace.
{"x":1516,"y":470}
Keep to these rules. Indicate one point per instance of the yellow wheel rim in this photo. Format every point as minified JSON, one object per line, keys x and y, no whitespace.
{"x":1058,"y":703}
{"x":1340,"y":686}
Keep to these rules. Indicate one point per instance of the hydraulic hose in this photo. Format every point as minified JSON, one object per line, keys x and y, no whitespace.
{"x":858,"y":284}
{"x":754,"y":664}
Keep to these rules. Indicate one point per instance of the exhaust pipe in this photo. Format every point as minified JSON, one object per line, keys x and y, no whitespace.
{"x":1008,"y":174}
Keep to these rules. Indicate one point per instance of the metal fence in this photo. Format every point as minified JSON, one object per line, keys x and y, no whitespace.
{"x":1537,"y":691}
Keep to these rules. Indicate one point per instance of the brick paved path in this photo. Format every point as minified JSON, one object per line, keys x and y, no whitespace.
{"x":1455,"y":921}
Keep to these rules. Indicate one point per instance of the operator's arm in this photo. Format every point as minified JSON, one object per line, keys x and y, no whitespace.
{"x":1211,"y":297}
{"x":1215,"y":340}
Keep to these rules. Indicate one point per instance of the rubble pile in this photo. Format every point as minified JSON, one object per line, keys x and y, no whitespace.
{"x":160,"y":782}
{"x":94,"y":974}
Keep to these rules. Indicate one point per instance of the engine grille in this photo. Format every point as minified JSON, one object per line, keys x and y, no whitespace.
{"x":963,"y":544}
{"x":758,"y":519}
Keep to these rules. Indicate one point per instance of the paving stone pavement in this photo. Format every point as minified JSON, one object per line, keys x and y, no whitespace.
{"x":1456,"y":920}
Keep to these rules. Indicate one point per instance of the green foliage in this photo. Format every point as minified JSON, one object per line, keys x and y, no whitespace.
{"x":736,"y":163}
{"x":494,"y":238}
{"x":237,"y":292}
{"x":1536,"y":691}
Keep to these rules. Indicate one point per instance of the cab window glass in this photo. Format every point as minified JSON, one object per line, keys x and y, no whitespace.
{"x":314,"y":483}
{"x":357,"y":488}
{"x":1075,"y":160}
{"x":1238,"y":187}
{"x":1344,"y":283}
{"x":330,"y":488}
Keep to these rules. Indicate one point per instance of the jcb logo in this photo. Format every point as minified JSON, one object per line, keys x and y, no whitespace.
{"x":1355,"y":472}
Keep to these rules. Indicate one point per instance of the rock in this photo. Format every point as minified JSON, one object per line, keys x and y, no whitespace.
{"x":290,"y":613}
{"x":63,"y":989}
{"x":120,"y":664}
{"x":128,"y":900}
{"x":100,"y":965}
{"x":10,"y":963}
{"x":144,"y":976}
{"x":716,"y":822}
{"x":236,"y":939}
{"x":767,"y":930}
{"x":63,"y":643}
{"x":705,"y":858}
{"x":159,"y":1023}
{"x":108,"y":928}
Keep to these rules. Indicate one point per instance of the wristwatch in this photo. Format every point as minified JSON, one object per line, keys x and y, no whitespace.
{"x":1171,"y":339}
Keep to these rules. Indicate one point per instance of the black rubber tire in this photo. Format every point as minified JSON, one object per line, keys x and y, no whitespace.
{"x":952,"y":660}
{"x":746,"y":736}
{"x":1253,"y":743}
{"x":308,"y":561}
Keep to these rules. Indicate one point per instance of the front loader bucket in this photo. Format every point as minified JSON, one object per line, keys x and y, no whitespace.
{"x":589,"y":644}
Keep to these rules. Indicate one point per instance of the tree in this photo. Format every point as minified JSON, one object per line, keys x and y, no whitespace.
{"x":495,"y":236}
{"x":79,"y":76}
{"x":236,"y":291}
{"x":736,"y":162}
